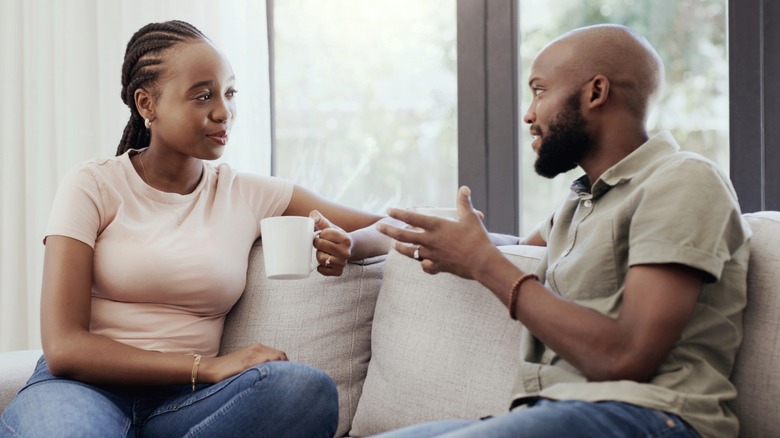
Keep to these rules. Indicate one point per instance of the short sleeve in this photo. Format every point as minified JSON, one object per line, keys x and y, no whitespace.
{"x":545,"y":228}
{"x":77,"y":208}
{"x":266,"y":195}
{"x":688,"y":215}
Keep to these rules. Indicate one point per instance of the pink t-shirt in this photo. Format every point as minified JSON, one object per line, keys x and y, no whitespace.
{"x":167,"y":267}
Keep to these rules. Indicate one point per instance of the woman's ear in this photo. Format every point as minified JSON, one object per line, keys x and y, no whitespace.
{"x":599,"y":91}
{"x":144,"y":103}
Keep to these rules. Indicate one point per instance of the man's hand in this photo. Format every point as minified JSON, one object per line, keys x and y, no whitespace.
{"x":442,"y":245}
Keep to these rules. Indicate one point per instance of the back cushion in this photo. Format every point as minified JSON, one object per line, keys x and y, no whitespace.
{"x":758,"y":361}
{"x":321,"y":321}
{"x":443,"y":347}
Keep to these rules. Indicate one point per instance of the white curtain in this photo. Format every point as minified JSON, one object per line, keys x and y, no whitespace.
{"x":60,"y":70}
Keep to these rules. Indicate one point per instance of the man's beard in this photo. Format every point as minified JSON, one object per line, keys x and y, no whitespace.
{"x":566,"y":142}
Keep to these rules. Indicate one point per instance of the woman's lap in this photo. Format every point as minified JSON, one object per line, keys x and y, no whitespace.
{"x":275,"y":398}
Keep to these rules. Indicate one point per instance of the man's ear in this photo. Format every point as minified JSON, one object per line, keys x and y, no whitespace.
{"x":144,"y":103}
{"x":598,"y":87}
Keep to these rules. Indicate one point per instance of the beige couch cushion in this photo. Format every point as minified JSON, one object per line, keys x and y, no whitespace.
{"x":759,"y":356}
{"x":321,"y":321}
{"x":16,"y":369}
{"x":415,"y":374}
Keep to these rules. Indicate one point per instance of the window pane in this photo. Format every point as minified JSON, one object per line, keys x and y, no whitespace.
{"x":365,"y":100}
{"x":694,"y":106}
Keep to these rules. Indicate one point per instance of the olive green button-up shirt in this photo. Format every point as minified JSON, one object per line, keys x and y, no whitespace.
{"x":658,"y":205}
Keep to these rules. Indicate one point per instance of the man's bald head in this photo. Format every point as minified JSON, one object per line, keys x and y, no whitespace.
{"x":633,"y":67}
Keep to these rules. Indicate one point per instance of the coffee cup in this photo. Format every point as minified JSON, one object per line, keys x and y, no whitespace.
{"x":287,"y":246}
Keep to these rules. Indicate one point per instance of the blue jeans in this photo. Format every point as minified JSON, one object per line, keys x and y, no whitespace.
{"x":274,"y":399}
{"x":555,"y":419}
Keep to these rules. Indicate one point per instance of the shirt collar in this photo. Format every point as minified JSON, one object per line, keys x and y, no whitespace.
{"x":660,"y":145}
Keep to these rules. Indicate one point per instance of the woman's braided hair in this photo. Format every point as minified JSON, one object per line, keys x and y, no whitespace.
{"x":142,"y":67}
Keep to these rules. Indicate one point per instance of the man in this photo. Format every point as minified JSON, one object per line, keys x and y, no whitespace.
{"x":634,"y":317}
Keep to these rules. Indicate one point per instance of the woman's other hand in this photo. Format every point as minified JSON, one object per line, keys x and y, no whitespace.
{"x":216,"y":369}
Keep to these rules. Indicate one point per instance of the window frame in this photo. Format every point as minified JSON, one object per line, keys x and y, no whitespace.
{"x":489,"y":131}
{"x":754,"y":145}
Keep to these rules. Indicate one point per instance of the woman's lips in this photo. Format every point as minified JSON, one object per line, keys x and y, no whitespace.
{"x":219,"y":137}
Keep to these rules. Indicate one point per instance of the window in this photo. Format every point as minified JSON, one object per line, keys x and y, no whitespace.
{"x":365,"y":100}
{"x":377,"y":103}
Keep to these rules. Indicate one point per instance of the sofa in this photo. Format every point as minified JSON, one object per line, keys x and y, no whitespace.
{"x":405,"y":347}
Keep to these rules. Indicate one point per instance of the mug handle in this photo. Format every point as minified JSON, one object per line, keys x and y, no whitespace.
{"x":314,"y":264}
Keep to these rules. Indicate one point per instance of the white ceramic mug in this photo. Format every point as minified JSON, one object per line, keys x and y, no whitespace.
{"x":444,"y":212}
{"x":287,"y":246}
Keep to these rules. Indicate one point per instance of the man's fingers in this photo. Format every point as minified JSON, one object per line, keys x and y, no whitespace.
{"x":412,"y":218}
{"x":464,"y":201}
{"x":429,"y":267}
{"x":409,"y":250}
{"x":401,"y":235}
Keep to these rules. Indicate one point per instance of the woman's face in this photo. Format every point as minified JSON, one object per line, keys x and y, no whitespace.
{"x":195,"y":105}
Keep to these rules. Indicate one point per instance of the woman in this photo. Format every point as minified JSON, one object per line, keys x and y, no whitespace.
{"x":145,"y":254}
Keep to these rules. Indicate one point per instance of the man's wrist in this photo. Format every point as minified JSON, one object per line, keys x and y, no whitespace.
{"x":488,"y":264}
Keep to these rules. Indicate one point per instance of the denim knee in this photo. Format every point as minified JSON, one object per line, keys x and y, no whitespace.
{"x":274,"y":399}
{"x":309,"y":388}
{"x":62,"y":408}
{"x":306,"y":399}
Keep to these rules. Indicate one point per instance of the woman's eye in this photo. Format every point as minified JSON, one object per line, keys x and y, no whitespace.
{"x":231,"y":93}
{"x":204,"y":97}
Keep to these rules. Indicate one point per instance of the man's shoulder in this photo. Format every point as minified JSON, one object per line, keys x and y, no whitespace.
{"x":688,"y":168}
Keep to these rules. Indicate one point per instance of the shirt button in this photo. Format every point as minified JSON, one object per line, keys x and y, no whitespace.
{"x":587,"y":203}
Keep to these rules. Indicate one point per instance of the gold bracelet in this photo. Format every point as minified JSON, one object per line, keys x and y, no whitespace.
{"x":515,"y":292}
{"x":194,"y":376}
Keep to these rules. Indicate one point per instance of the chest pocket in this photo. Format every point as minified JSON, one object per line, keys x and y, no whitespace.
{"x":586,"y":269}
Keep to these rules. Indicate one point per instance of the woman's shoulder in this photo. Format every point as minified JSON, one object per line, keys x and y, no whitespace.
{"x":95,"y":169}
{"x":254,"y":189}
{"x":227,"y":174}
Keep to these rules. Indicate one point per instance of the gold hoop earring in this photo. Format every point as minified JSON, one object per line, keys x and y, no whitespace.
{"x":147,"y":123}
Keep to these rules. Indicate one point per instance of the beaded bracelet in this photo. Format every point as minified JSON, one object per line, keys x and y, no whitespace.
{"x":515,"y":289}
{"x":194,"y":375}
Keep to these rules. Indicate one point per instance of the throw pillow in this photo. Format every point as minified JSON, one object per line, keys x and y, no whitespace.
{"x":442,"y":348}
{"x":321,"y":321}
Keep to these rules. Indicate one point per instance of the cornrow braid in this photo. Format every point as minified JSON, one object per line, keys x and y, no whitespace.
{"x":142,"y":68}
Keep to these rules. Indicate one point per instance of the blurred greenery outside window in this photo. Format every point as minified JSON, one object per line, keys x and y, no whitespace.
{"x":366,"y":92}
{"x":366,"y":100}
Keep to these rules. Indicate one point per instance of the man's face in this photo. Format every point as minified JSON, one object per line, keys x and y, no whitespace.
{"x":565,"y":142}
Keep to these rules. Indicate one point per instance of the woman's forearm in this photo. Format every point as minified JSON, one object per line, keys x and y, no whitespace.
{"x":368,"y":242}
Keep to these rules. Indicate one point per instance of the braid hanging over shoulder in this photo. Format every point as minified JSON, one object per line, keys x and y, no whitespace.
{"x":143,"y":64}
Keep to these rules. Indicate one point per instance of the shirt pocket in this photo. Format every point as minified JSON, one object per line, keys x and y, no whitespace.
{"x":588,"y":270}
